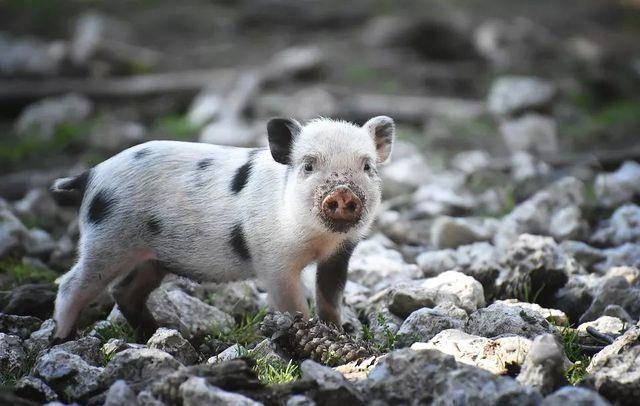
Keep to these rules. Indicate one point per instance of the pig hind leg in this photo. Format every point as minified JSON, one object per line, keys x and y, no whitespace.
{"x":86,"y":281}
{"x":131,"y":295}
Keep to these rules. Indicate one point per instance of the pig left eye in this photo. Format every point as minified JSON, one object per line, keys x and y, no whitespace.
{"x":308,"y":167}
{"x":367,"y":167}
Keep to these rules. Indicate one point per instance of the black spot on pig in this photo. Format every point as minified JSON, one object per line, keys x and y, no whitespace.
{"x":204,"y":163}
{"x":101,"y":206}
{"x":239,"y":243}
{"x":242,"y":174}
{"x":154,"y":225}
{"x":141,"y":153}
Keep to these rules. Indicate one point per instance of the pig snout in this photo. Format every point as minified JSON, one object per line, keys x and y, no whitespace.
{"x":342,"y":205}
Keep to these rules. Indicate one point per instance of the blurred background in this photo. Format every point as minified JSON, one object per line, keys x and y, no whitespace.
{"x":492,"y":99}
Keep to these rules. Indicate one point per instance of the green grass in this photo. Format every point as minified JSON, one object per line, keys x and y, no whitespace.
{"x":20,"y":273}
{"x":9,"y":378}
{"x":577,"y":372}
{"x":176,"y":126}
{"x":272,"y":370}
{"x":116,"y":330}
{"x":389,"y":338}
{"x":245,"y":333}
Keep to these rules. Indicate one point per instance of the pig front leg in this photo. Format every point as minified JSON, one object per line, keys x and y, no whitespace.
{"x":331,"y":278}
{"x":285,"y":291}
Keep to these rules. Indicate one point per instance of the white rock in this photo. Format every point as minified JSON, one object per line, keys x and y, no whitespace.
{"x":44,"y":116}
{"x":615,"y":188}
{"x":532,"y":133}
{"x":195,"y":391}
{"x":452,"y":232}
{"x":375,"y":266}
{"x":513,"y":94}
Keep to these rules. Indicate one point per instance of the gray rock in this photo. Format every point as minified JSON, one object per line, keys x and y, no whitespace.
{"x":470,"y":162}
{"x":624,"y":255}
{"x":585,"y":254}
{"x":236,"y":298}
{"x":12,"y":232}
{"x":407,"y":171}
{"x":88,"y":348}
{"x":32,"y":388}
{"x":534,"y":215}
{"x":575,"y":396}
{"x":204,"y":108}
{"x":451,"y":286}
{"x":403,"y":376}
{"x":500,"y":319}
{"x":120,"y":394}
{"x":568,"y":223}
{"x":146,"y":398}
{"x":618,"y":312}
{"x":528,"y":171}
{"x":112,"y":135}
{"x":533,"y":269}
{"x":423,"y":324}
{"x":623,"y":227}
{"x":21,"y":326}
{"x":12,"y":355}
{"x":532,"y":133}
{"x":42,"y":337}
{"x":376,"y":266}
{"x":39,"y":243}
{"x":554,"y":316}
{"x":604,"y":324}
{"x":615,"y":371}
{"x":383,"y":324}
{"x":39,"y":204}
{"x":68,"y":374}
{"x":29,"y":56}
{"x":231,"y":131}
{"x":615,"y":290}
{"x":575,"y":297}
{"x":187,"y":314}
{"x":300,"y":400}
{"x":332,"y":387}
{"x":139,"y":366}
{"x":170,"y":341}
{"x":615,"y":188}
{"x":116,"y":345}
{"x":433,"y":199}
{"x":544,"y":367}
{"x":499,"y":356}
{"x":195,"y":391}
{"x":510,"y":95}
{"x":33,"y":299}
{"x":232,"y":352}
{"x":451,"y":232}
{"x":44,"y":116}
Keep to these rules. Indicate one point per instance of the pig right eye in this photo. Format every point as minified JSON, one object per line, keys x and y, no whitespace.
{"x":308,"y":167}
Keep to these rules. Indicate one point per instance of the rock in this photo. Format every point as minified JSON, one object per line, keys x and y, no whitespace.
{"x":383,"y":324}
{"x":21,"y":326}
{"x":470,"y":162}
{"x":544,"y":367}
{"x":624,"y":255}
{"x":39,"y":204}
{"x":116,"y":345}
{"x":139,"y":366}
{"x":146,"y":398}
{"x":585,"y":254}
{"x":12,"y":232}
{"x":42,"y":337}
{"x":44,"y":116}
{"x":434,"y":199}
{"x":68,"y":374}
{"x":403,"y":375}
{"x":113,"y":135}
{"x":31,"y":300}
{"x":407,"y":171}
{"x":39,"y":243}
{"x":305,"y":104}
{"x":619,"y":313}
{"x":574,"y":396}
{"x":455,"y":287}
{"x":615,"y":371}
{"x":294,"y":62}
{"x":477,"y":260}
{"x":576,"y":296}
{"x":332,"y":388}
{"x":171,"y":342}
{"x":534,"y":215}
{"x":615,"y":290}
{"x":528,"y":172}
{"x":120,"y":394}
{"x":204,"y":108}
{"x":231,"y":131}
{"x":187,"y":314}
{"x":532,"y":133}
{"x":238,"y":299}
{"x":512,"y":95}
{"x":374,"y":265}
{"x":195,"y":391}
{"x":568,"y":223}
{"x":32,"y":388}
{"x":500,"y":356}
{"x":623,"y":227}
{"x":12,"y":355}
{"x":554,"y":316}
{"x":29,"y":56}
{"x":533,"y":269}
{"x":423,"y":324}
{"x":88,"y":348}
{"x":299,"y":400}
{"x":500,"y":319}
{"x":604,"y":324}
{"x":451,"y":232}
{"x":615,"y":188}
{"x":232,"y":352}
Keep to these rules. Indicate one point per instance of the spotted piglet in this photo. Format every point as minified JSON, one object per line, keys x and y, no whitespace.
{"x":217,"y":213}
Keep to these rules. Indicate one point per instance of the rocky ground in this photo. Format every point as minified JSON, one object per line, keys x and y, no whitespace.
{"x":504,"y":267}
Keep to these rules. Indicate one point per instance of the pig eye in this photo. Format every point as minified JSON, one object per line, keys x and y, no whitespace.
{"x":367,"y":166}
{"x":308,"y":167}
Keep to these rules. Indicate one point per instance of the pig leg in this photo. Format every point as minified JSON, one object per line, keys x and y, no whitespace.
{"x":331,"y":277}
{"x":285,"y":291}
{"x":131,"y":295}
{"x":80,"y":286}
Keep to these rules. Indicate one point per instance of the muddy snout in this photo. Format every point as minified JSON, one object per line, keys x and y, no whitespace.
{"x":342,"y":205}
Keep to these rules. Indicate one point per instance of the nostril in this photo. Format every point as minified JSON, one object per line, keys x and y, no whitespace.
{"x":352,"y":206}
{"x":332,"y":205}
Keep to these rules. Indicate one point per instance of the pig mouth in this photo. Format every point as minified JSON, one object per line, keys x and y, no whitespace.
{"x":333,"y":224}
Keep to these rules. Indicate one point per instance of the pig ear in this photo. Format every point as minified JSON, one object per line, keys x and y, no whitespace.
{"x":383,"y":131}
{"x":281,"y":133}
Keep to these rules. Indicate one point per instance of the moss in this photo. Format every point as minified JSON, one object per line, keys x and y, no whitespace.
{"x":116,"y":330}
{"x":18,"y":273}
{"x":272,"y":370}
{"x":244,"y":333}
{"x":577,"y":372}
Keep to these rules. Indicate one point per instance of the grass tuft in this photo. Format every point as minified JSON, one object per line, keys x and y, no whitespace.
{"x":245,"y":333}
{"x":18,"y":273}
{"x":272,"y":370}
{"x":123,"y":331}
{"x":577,"y":372}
